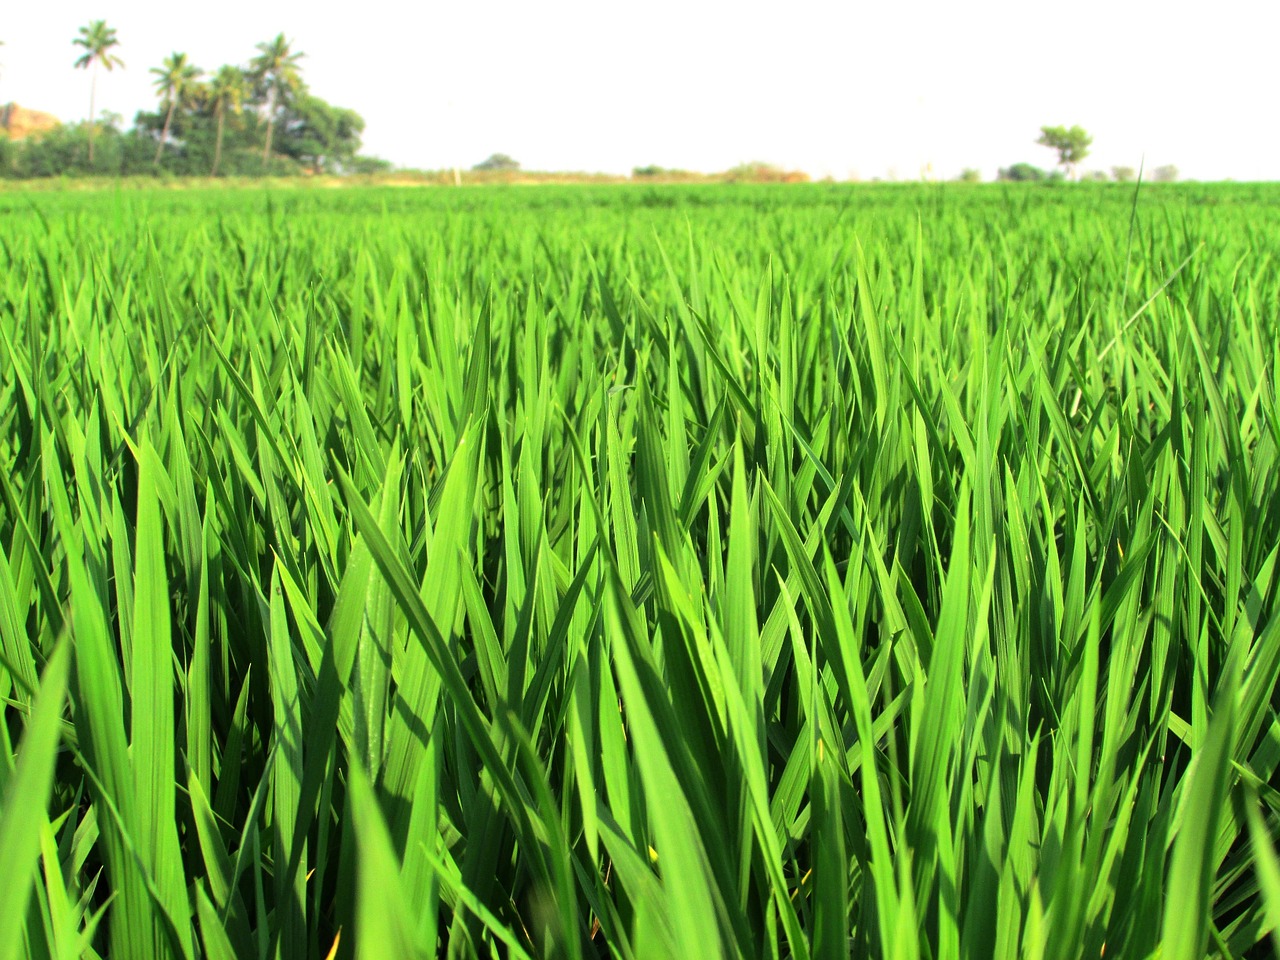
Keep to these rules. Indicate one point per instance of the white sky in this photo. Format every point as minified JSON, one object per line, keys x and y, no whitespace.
{"x":844,"y":89}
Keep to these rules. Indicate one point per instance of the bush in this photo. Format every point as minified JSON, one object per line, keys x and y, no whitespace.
{"x":497,"y":161}
{"x":757,"y":172}
{"x":1022,"y":173}
{"x":369,"y":165}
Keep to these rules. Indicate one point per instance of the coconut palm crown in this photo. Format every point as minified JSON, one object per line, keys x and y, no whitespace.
{"x":275,"y":72}
{"x":97,"y":39}
{"x":226,"y":94}
{"x":175,"y":82}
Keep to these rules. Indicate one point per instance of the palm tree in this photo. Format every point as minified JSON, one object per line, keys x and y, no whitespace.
{"x":175,"y":79}
{"x":97,"y":39}
{"x":275,"y":70}
{"x":226,"y":92}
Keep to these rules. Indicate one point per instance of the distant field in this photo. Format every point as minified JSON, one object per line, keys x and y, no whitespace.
{"x":640,"y":572}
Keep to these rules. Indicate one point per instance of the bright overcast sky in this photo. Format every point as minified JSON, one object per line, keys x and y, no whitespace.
{"x":886,"y":89}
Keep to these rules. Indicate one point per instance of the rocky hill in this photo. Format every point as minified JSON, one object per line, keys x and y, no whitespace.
{"x":19,"y":122}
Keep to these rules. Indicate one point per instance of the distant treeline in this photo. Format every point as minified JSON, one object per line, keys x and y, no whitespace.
{"x":311,"y":136}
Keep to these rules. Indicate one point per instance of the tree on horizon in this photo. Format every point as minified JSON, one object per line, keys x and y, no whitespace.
{"x":1071,"y":143}
{"x":275,"y":71}
{"x":97,"y":39}
{"x":175,"y":79}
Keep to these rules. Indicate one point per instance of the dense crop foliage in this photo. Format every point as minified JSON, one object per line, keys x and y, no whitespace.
{"x":640,"y":573}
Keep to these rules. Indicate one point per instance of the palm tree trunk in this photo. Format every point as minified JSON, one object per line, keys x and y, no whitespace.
{"x":164,"y":134}
{"x":217,"y":147}
{"x":93,"y":93}
{"x":271,"y":123}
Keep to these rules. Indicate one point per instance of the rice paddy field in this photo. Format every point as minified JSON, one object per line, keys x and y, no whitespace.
{"x":575,"y":572}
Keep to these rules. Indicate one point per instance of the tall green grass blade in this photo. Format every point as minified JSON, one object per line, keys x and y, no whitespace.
{"x":26,"y":799}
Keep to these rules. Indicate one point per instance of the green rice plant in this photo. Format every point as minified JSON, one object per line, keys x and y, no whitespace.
{"x":767,"y":572}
